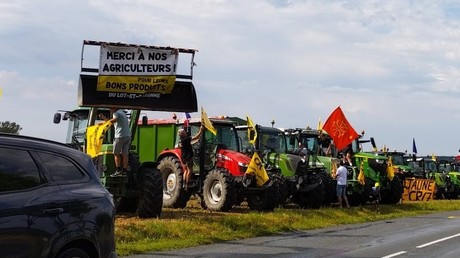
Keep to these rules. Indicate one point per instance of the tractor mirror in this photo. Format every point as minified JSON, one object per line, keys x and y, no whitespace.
{"x":57,"y":118}
{"x":373,"y":143}
{"x":145,"y":120}
{"x":66,"y":116}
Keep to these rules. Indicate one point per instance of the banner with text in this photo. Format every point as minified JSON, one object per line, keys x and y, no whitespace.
{"x":138,"y":70}
{"x":417,"y":189}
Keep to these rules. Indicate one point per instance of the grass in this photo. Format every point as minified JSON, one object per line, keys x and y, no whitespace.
{"x":193,"y":226}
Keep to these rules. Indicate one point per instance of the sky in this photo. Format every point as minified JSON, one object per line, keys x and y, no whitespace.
{"x":392,"y":66}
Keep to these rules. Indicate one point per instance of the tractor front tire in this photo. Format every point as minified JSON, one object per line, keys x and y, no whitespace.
{"x":218,"y":191}
{"x":394,"y":195}
{"x":174,"y":195}
{"x":151,"y":199}
{"x":264,"y":200}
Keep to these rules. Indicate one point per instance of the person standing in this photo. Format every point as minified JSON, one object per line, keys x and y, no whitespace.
{"x":325,"y":144}
{"x":122,"y":141}
{"x":341,"y":176}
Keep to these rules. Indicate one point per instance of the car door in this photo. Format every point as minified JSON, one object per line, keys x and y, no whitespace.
{"x":28,"y":210}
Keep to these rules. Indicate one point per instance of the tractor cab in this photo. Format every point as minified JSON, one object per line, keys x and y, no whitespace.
{"x":78,"y":121}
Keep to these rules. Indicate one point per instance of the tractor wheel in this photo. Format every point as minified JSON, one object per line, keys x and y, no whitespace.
{"x":440,"y":193}
{"x":330,"y":195}
{"x":218,"y":191}
{"x":174,"y":195}
{"x":314,"y":198}
{"x":361,"y":197}
{"x":454,"y":194}
{"x":264,"y":200}
{"x":394,"y":194}
{"x":281,"y":187}
{"x":151,"y":199}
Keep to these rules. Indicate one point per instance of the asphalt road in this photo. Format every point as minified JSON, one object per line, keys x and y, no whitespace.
{"x":434,"y":235}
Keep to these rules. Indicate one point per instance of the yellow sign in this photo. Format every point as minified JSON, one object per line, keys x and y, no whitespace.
{"x":416,"y":189}
{"x":136,"y":84}
{"x":94,"y":137}
{"x":257,"y":168}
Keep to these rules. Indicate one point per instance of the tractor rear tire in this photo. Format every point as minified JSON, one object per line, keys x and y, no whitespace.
{"x":314,"y":198}
{"x":330,"y":189}
{"x":174,"y":195}
{"x":151,"y":199}
{"x":218,"y":191}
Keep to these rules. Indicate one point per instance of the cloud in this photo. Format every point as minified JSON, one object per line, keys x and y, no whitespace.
{"x":391,"y":65}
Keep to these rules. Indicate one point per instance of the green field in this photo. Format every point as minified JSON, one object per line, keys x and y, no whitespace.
{"x":180,"y":228}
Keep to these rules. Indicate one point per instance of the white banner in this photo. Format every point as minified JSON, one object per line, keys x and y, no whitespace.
{"x":116,"y":60}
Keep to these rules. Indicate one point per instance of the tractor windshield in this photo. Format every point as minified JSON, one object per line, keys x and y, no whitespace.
{"x":273,"y":141}
{"x":311,"y":143}
{"x":78,"y":122}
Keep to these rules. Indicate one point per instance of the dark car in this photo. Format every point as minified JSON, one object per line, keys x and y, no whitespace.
{"x":52,"y":203}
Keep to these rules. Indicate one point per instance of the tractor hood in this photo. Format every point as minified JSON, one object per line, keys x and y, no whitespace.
{"x":370,"y":155}
{"x":236,"y":163}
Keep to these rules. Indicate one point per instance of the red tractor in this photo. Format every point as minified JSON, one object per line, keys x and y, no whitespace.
{"x":219,"y":175}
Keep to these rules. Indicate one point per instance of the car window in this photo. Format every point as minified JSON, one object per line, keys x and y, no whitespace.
{"x":61,"y":169}
{"x":18,"y":170}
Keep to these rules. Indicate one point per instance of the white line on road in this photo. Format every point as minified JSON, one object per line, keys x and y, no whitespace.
{"x":437,"y":241}
{"x":395,"y":254}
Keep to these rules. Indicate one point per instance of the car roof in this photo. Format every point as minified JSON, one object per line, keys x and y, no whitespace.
{"x":39,"y":143}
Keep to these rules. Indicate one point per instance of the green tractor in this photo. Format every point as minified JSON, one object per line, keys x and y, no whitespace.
{"x":400,"y":162}
{"x":302,"y":182}
{"x":374,"y":168}
{"x":312,"y":139}
{"x":141,"y":190}
{"x":447,"y":178}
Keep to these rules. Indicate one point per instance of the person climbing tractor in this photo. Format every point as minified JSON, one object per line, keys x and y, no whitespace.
{"x":185,"y":144}
{"x":122,"y":141}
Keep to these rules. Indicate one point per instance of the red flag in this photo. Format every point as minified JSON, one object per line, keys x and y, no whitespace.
{"x":339,"y":129}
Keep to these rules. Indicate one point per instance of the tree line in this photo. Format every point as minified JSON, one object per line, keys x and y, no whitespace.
{"x":10,"y":127}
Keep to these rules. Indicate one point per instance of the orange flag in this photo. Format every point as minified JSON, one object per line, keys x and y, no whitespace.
{"x":339,"y":129}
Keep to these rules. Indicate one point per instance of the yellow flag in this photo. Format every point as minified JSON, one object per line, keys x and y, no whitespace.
{"x":320,"y":125}
{"x":206,"y":122}
{"x":390,"y":169}
{"x":94,"y":137}
{"x":1,"y":91}
{"x":333,"y":169}
{"x":257,"y":168}
{"x":433,"y":157}
{"x":361,"y":177}
{"x":251,"y":130}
